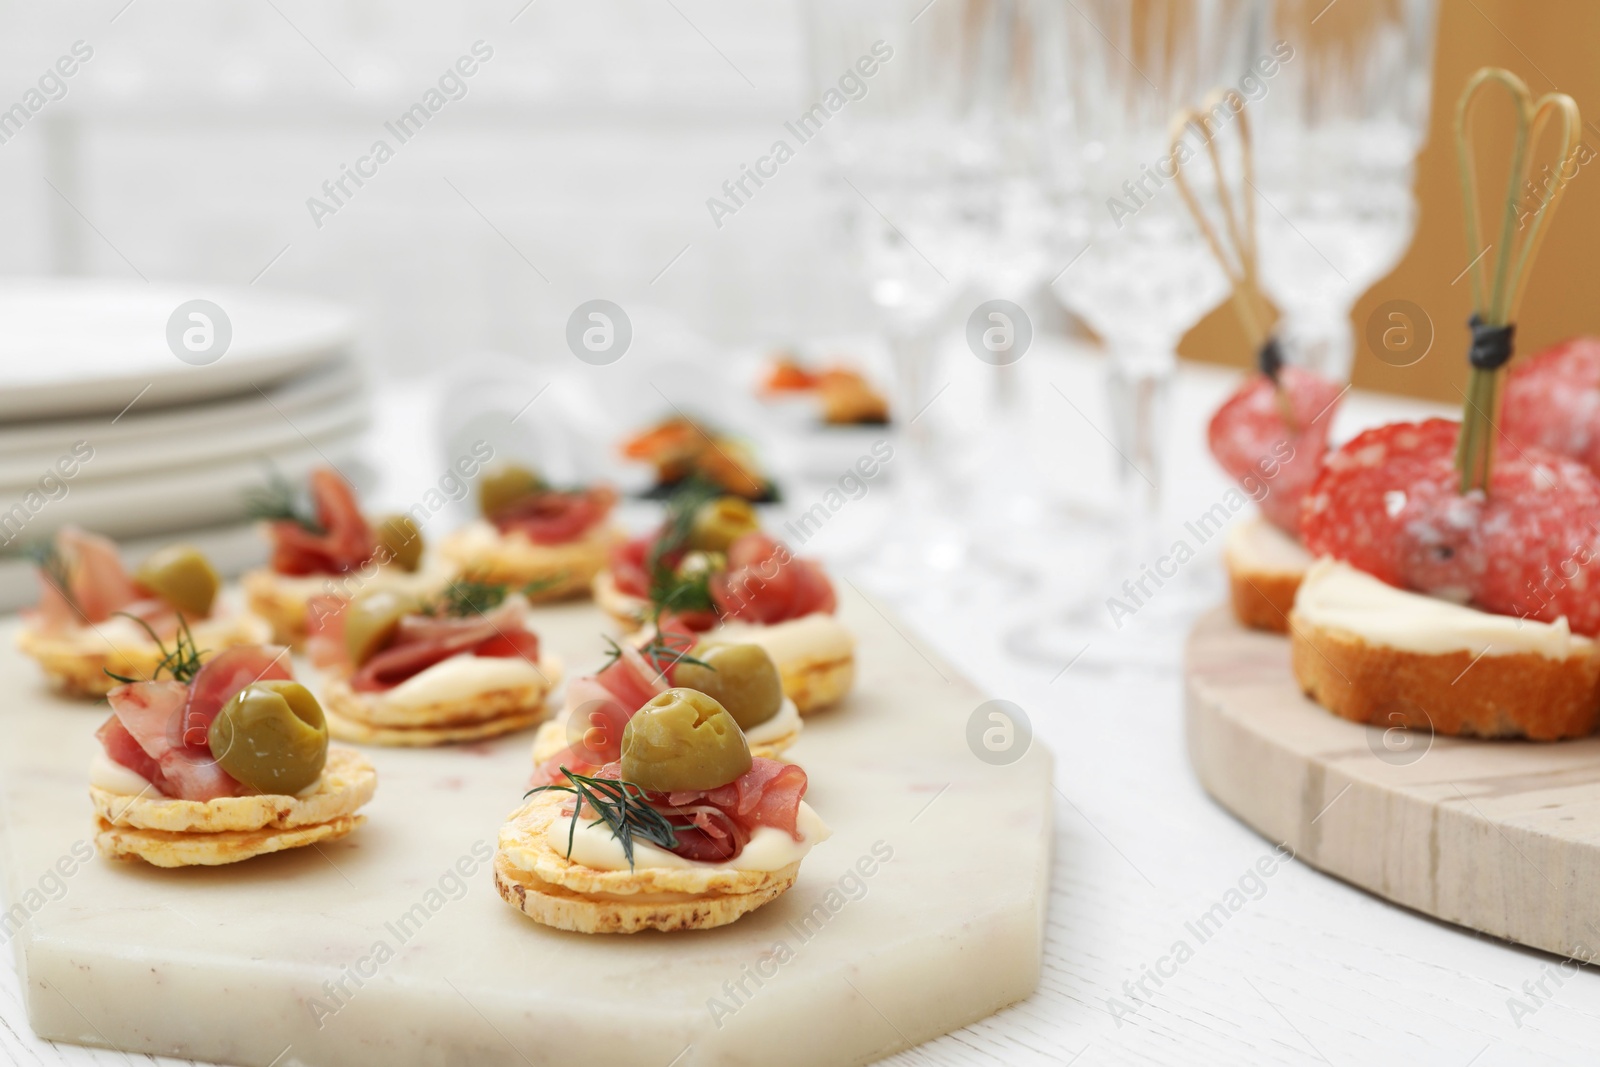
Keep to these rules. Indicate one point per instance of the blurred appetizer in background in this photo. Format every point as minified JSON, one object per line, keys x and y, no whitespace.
{"x":324,"y":547}
{"x":552,"y":542}
{"x":587,"y":734}
{"x":219,"y":762}
{"x":685,"y":831}
{"x":95,"y":620}
{"x":683,"y":451}
{"x":846,"y":397}
{"x":710,"y":570}
{"x":460,"y":666}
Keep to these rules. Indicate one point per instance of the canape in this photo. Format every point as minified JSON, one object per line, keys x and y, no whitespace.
{"x":845,"y":395}
{"x":327,"y":548}
{"x":551,"y":542}
{"x":686,"y":831}
{"x":712,"y":571}
{"x":221,"y":762}
{"x":684,"y":452}
{"x":587,"y":733}
{"x":94,"y":618}
{"x":462,"y":666}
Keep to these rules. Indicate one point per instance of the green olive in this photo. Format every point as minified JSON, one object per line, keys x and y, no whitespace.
{"x":742,"y":678}
{"x":719,"y":523}
{"x":182,"y":577}
{"x":681,"y":740}
{"x":401,"y":541}
{"x":498,"y":489}
{"x":272,"y":737}
{"x":371,"y":621}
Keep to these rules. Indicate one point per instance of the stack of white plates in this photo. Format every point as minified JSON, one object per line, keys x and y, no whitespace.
{"x":108,"y":424}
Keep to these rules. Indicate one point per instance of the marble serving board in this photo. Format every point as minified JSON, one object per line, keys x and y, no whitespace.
{"x":1497,"y":836}
{"x":922,"y":913}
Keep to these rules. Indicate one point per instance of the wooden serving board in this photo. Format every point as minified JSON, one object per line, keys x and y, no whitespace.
{"x":1499,"y":836}
{"x":923,"y":912}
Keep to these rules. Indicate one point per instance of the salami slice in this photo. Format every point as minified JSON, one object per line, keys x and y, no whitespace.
{"x":1388,"y":503}
{"x":1552,"y":401}
{"x":1274,"y":463}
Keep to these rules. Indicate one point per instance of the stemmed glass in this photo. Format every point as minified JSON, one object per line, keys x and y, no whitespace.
{"x":1140,"y":275}
{"x":1337,"y":131}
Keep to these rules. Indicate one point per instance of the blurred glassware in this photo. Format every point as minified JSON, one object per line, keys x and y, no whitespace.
{"x":1338,"y":126}
{"x":1112,"y":74}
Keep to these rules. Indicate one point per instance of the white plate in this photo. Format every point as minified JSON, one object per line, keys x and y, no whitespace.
{"x":313,"y":405}
{"x":88,"y":346}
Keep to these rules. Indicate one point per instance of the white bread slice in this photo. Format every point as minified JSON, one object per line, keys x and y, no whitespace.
{"x":1265,"y":566}
{"x":1375,"y":654}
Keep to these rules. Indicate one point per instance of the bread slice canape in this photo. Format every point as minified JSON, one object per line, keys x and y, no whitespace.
{"x":220,"y":763}
{"x":323,"y":546}
{"x":1265,"y":568}
{"x":95,"y":620}
{"x":404,"y":672}
{"x":687,"y":831}
{"x":1375,"y":654}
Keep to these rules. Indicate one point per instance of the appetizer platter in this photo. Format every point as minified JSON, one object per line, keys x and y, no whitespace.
{"x":1406,"y":685}
{"x":720,"y":886}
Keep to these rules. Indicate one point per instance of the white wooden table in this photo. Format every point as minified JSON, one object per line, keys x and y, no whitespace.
{"x":1307,"y":970}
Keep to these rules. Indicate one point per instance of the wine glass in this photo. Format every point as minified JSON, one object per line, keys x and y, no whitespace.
{"x":1337,"y":128}
{"x":1140,"y":274}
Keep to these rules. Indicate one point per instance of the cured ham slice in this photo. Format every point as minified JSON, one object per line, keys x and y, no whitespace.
{"x":425,"y":640}
{"x":151,"y":715}
{"x":556,"y":517}
{"x":765,"y":583}
{"x":97,"y":587}
{"x":715,"y":824}
{"x":223,"y":676}
{"x":345,"y":541}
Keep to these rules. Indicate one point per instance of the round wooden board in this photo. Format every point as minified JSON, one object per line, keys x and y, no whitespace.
{"x":1502,"y":837}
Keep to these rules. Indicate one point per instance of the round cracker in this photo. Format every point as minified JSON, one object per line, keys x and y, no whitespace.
{"x":627,"y":611}
{"x":164,"y":848}
{"x":76,"y":660}
{"x":377,"y":711}
{"x":348,"y":781}
{"x":427,"y":736}
{"x":558,"y":572}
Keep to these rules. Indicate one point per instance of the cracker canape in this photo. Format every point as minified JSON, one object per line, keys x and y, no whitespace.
{"x":327,"y":548}
{"x":94,"y":618}
{"x":462,"y":666}
{"x":550,"y":541}
{"x":686,"y":831}
{"x":221,"y":762}
{"x":712,"y":571}
{"x":845,"y":395}
{"x":684,"y":453}
{"x":587,"y":733}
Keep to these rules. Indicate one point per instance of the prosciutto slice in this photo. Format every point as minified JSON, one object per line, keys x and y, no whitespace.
{"x":345,"y":542}
{"x":555,"y":517}
{"x":720,"y":821}
{"x":97,"y":587}
{"x":765,"y":583}
{"x":145,"y":734}
{"x":424,"y":640}
{"x":221,"y":677}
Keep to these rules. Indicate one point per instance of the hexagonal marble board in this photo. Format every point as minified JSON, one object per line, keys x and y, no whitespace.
{"x":923,"y":912}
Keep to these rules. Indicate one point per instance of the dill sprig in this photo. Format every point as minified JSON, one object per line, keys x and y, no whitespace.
{"x":660,"y":653}
{"x":619,"y":805}
{"x":53,"y":566}
{"x":182,"y":663}
{"x":279,"y":501}
{"x":669,"y":589}
{"x":472,"y":596}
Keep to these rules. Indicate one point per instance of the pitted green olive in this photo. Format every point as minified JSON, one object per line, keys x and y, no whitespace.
{"x":371,"y":620}
{"x":272,"y":737}
{"x":182,"y":577}
{"x":719,"y":523}
{"x":680,"y":740}
{"x":498,"y":489}
{"x":742,"y":678}
{"x":401,"y":541}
